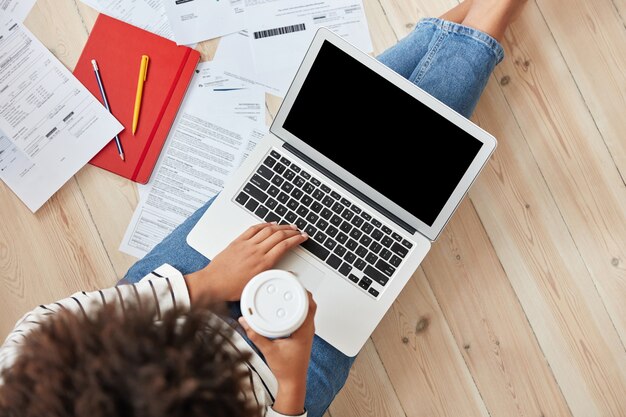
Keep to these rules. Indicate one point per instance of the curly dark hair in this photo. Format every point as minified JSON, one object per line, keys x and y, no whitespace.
{"x":124,"y":364}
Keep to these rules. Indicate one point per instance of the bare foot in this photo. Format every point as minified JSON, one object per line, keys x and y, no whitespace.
{"x":493,"y":16}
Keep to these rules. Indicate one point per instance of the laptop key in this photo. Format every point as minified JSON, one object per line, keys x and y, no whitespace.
{"x":366,"y":216}
{"x":312,"y":217}
{"x":353,"y":278}
{"x":396,"y":236}
{"x":365,"y":240}
{"x":342,"y":238}
{"x":340,"y":250}
{"x":271,"y":203}
{"x":269,"y":161}
{"x":356,"y":209}
{"x":316,"y":207}
{"x":265,"y":172}
{"x":360,"y":264}
{"x":273,"y":191}
{"x":272,"y":217}
{"x":385,"y":254}
{"x":275,"y":154}
{"x":262,"y":211}
{"x":326,"y":214}
{"x":337,"y":207}
{"x":373,"y":292}
{"x":367,"y":228}
{"x":316,"y":182}
{"x":283,"y":198}
{"x":395,"y":261}
{"x":281,"y":210}
{"x":252,"y":205}
{"x":295,"y":168}
{"x":285,"y":161}
{"x":318,"y":194}
{"x":242,"y":198}
{"x":316,"y":249}
{"x":310,"y":230}
{"x":335,"y":195}
{"x":336,"y":220}
{"x":287,"y":187}
{"x":289,"y":175}
{"x":302,"y":211}
{"x":299,"y":181}
{"x":293,"y":204}
{"x":308,"y":188}
{"x":407,"y":244}
{"x":345,"y":227}
{"x":385,"y":267}
{"x":306,"y":175}
{"x":328,"y":201}
{"x":332,"y":231}
{"x":355,"y":234}
{"x":345,"y":269}
{"x":320,"y":237}
{"x":325,"y":188}
{"x":277,"y":180}
{"x":365,"y":283}
{"x":371,"y":258}
{"x":330,"y":244}
{"x":345,"y":202}
{"x":306,"y":200}
{"x":399,"y":250}
{"x":357,"y":221}
{"x":349,"y":257}
{"x":377,"y":234}
{"x":352,"y":244}
{"x":291,"y":217}
{"x":347,"y":214}
{"x":297,"y":193}
{"x":361,"y":251}
{"x":322,"y":224}
{"x":387,"y":241}
{"x":255,"y":192}
{"x":279,"y":168}
{"x":301,"y":224}
{"x":376,"y":247}
{"x":386,"y":229}
{"x":376,"y":223}
{"x":376,"y":275}
{"x":334,"y":261}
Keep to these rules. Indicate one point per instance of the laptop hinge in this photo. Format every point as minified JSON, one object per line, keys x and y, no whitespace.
{"x":350,"y":188}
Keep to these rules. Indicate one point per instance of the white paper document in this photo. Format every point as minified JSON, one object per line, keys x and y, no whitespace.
{"x":195,"y":21}
{"x":213,"y":133}
{"x":18,"y":9}
{"x":145,"y":14}
{"x":281,"y":30}
{"x":51,"y":125}
{"x":234,"y":53}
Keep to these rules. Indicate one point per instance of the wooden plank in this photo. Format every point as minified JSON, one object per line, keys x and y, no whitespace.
{"x":368,"y":391}
{"x":571,"y":154}
{"x":488,"y":322}
{"x":422,"y":359}
{"x":545,"y":269}
{"x":47,"y":255}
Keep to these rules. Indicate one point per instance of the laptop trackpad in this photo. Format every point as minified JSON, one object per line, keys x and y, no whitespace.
{"x":309,"y":275}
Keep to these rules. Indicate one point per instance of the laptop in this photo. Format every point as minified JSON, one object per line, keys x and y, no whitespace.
{"x":366,"y":163}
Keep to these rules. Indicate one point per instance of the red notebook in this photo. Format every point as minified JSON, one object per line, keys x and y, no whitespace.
{"x":118,"y":47}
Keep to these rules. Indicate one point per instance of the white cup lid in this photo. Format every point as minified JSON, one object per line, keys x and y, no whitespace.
{"x":274,"y":303}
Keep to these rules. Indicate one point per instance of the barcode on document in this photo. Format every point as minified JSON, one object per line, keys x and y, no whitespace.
{"x":279,"y":31}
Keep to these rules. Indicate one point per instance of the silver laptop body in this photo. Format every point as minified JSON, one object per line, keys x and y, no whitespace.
{"x":348,"y":160}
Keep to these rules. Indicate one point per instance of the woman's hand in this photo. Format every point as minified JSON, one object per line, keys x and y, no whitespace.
{"x":256,"y":250}
{"x":289,"y":361}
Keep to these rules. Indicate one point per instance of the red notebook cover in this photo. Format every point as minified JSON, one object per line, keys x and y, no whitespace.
{"x":117,"y":47}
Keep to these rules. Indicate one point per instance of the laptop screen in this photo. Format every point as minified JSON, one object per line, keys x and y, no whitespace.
{"x":377,"y":132}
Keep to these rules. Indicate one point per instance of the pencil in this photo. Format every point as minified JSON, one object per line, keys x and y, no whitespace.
{"x":118,"y":143}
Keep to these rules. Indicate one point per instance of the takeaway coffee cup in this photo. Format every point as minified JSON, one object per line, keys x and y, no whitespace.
{"x":274,"y":303}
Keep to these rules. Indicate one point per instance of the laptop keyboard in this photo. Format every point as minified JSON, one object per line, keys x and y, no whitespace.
{"x":341,"y":234}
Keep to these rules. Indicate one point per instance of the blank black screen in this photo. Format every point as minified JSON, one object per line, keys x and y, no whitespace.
{"x":367,"y":125}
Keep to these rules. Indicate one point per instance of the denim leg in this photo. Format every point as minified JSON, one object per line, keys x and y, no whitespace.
{"x":457,"y":65}
{"x":406,"y":55}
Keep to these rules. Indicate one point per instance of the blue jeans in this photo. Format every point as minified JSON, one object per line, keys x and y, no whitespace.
{"x":451,"y":62}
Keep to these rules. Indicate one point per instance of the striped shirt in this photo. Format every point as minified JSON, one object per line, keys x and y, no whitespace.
{"x":159,"y":292}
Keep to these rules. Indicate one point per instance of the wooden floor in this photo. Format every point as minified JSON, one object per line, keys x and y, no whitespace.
{"x":520,"y":307}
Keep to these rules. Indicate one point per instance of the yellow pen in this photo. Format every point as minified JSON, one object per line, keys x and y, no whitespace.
{"x":143,"y":73}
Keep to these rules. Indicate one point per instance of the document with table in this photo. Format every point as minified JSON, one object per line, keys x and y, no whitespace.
{"x":51,"y":125}
{"x":18,"y":9}
{"x":217,"y":126}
